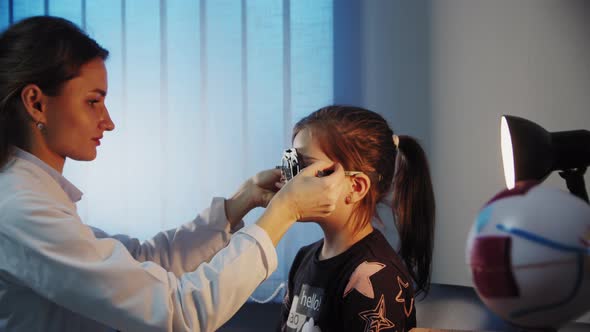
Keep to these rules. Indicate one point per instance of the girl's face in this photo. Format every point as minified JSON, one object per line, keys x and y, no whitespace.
{"x":309,"y":151}
{"x":77,"y":118}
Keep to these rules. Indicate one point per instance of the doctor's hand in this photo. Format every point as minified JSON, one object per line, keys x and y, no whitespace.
{"x":263,"y":186}
{"x":307,"y":195}
{"x":257,"y":191}
{"x":303,"y":197}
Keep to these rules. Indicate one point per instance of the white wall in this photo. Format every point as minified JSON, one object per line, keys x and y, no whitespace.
{"x":395,"y":64}
{"x":529,"y":58}
{"x":446,"y":70}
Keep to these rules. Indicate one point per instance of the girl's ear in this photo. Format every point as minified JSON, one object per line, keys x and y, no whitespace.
{"x":360,"y":187}
{"x":33,"y":100}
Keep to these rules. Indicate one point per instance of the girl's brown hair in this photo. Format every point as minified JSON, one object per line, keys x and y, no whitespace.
{"x":361,"y":140}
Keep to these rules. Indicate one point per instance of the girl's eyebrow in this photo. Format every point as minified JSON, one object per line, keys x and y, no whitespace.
{"x":304,"y":156}
{"x":306,"y":161}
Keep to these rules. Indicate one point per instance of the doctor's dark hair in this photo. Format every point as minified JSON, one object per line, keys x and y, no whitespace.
{"x":42,"y":50}
{"x":361,"y":140}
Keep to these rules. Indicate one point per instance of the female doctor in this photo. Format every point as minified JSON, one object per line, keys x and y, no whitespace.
{"x":57,"y":274}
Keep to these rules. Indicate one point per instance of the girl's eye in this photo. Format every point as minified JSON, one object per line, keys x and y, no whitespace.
{"x":93,"y":102}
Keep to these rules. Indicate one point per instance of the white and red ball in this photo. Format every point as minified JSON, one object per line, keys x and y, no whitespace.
{"x":529,"y":254}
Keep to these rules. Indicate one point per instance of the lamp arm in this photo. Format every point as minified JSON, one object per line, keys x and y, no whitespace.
{"x":574,"y":179}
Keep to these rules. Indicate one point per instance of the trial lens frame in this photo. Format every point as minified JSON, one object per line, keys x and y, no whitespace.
{"x":290,"y":166}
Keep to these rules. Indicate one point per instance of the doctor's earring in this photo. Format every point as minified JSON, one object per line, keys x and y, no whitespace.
{"x":41,"y":127}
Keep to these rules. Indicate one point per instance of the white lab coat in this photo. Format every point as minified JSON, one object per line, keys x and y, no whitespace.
{"x":57,"y":274}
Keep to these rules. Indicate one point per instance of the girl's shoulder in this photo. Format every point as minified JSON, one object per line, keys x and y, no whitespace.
{"x":376,"y":251}
{"x":375,"y":245}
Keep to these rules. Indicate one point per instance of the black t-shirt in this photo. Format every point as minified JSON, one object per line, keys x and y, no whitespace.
{"x":366,"y":288}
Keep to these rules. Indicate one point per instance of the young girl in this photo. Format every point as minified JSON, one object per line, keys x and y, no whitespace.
{"x":352,"y":279}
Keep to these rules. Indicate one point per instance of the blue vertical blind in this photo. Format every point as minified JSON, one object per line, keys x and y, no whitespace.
{"x":204,"y":94}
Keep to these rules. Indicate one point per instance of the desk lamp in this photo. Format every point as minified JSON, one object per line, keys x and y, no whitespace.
{"x":529,"y":152}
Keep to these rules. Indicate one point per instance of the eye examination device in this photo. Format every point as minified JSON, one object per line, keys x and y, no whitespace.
{"x":290,"y":166}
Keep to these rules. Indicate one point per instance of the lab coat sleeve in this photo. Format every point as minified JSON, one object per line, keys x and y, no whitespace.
{"x":184,"y":248}
{"x":45,"y":246}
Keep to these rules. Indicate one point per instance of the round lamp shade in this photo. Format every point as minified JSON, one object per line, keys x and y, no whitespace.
{"x":529,"y":152}
{"x":526,"y":150}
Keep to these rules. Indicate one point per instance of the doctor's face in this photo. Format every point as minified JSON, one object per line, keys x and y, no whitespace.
{"x":77,"y":118}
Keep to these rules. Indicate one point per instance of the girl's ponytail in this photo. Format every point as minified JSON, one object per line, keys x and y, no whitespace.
{"x":414,"y":208}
